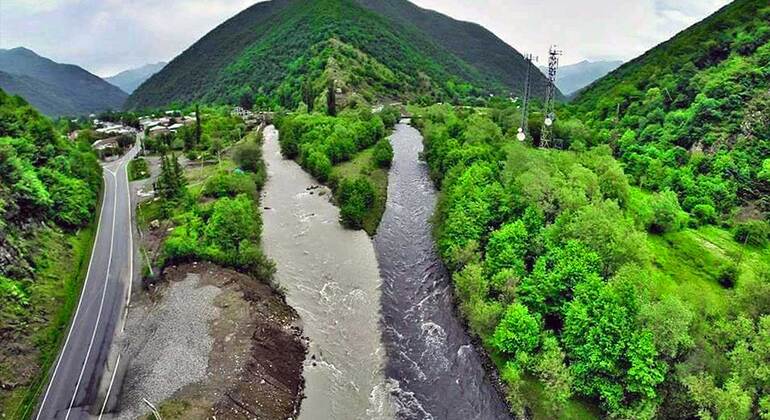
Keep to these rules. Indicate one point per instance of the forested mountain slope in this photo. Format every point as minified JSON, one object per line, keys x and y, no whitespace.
{"x":692,"y":115}
{"x":471,"y":42}
{"x":48,"y":194}
{"x":56,"y":89}
{"x":276,"y":52}
{"x":131,"y":79}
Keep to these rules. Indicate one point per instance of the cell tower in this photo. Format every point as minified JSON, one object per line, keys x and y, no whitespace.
{"x":522,"y":135}
{"x":546,"y":135}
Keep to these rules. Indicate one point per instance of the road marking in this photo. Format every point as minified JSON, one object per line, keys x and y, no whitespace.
{"x":130,"y":248}
{"x":77,"y":311}
{"x":107,"y":398}
{"x":101,"y":303}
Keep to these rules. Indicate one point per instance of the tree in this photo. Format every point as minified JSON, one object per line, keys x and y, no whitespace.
{"x":611,"y":358}
{"x":518,"y":333}
{"x":171,"y":184}
{"x":198,"y":128}
{"x":507,"y":248}
{"x":383,"y":153}
{"x":248,"y":156}
{"x":356,"y":197}
{"x":550,"y":367}
{"x":331,"y":99}
{"x":233,"y":221}
{"x":308,"y":95}
{"x":550,"y":285}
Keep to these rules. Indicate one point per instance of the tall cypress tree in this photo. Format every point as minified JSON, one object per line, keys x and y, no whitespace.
{"x":198,"y":130}
{"x":331,"y":99}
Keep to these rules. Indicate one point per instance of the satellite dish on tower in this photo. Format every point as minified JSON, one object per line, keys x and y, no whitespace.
{"x":521,"y":136}
{"x":548,"y":122}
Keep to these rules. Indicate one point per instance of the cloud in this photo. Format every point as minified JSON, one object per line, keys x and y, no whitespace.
{"x":587,"y":29}
{"x":107,"y":36}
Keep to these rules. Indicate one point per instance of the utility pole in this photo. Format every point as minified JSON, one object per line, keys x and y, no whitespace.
{"x":523,"y":129}
{"x":546,"y":134}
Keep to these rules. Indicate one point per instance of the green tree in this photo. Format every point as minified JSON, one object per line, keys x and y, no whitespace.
{"x":518,"y":332}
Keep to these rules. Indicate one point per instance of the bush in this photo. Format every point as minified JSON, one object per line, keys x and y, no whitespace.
{"x":728,"y":275}
{"x":390,"y":116}
{"x":704,"y":214}
{"x":518,"y":331}
{"x":356,"y":198}
{"x":383,"y":153}
{"x":753,"y":232}
{"x":224,"y":184}
{"x":667,"y":215}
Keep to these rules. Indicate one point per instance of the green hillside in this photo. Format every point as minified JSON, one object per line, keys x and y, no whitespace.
{"x":48,"y":195}
{"x":270,"y":51}
{"x":56,"y":89}
{"x":692,"y":115}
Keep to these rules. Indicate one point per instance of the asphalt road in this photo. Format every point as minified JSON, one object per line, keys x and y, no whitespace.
{"x":73,"y":390}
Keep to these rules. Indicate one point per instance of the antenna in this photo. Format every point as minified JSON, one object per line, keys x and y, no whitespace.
{"x":525,"y":100}
{"x":546,"y":134}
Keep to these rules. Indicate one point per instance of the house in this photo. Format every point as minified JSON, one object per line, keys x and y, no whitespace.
{"x":173,"y":128}
{"x":158,"y":130}
{"x":109,"y":143}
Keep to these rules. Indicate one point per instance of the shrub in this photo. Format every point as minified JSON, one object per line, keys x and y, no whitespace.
{"x":667,"y":215}
{"x":383,"y":153}
{"x":753,"y":232}
{"x":356,"y":198}
{"x":224,"y":184}
{"x":518,"y":331}
{"x":704,"y":214}
{"x":728,"y":275}
{"x":390,"y":116}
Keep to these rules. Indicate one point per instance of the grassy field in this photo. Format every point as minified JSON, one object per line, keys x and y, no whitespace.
{"x":62,"y":261}
{"x":138,"y":169}
{"x":362,"y":164}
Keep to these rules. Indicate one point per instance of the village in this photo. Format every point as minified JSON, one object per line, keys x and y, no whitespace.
{"x":111,"y":137}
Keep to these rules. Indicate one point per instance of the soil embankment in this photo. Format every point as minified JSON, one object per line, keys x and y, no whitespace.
{"x":213,"y":342}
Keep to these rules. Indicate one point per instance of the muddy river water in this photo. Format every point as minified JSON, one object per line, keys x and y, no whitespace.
{"x":331,"y":278}
{"x":384,"y":338}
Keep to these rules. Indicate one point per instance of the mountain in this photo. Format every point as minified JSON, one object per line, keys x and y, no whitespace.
{"x":56,"y":89}
{"x":693,"y":114}
{"x":129,"y":80}
{"x":573,"y":77}
{"x":276,"y":50}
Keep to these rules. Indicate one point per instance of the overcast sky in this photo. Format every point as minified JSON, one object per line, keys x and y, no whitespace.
{"x":107,"y":36}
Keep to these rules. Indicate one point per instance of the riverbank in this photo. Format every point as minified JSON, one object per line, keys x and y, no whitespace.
{"x":203,"y":340}
{"x":210,"y":342}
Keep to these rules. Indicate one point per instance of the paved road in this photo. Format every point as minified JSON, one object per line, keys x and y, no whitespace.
{"x":73,"y":387}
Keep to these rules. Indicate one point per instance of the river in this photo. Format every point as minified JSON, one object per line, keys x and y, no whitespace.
{"x":331,"y":278}
{"x":384,"y":338}
{"x":433,"y":370}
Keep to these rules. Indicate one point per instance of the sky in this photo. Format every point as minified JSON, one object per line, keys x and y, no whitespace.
{"x":108,"y":36}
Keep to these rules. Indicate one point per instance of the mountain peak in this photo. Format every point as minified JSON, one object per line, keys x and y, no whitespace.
{"x":272,"y":48}
{"x":53,"y":88}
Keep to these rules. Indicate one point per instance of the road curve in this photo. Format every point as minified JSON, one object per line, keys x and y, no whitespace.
{"x":74,"y":381}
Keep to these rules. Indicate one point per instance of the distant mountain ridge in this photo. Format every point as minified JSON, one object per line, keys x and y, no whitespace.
{"x":56,"y":89}
{"x":573,"y":77}
{"x":276,"y":50}
{"x":131,"y":79}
